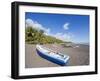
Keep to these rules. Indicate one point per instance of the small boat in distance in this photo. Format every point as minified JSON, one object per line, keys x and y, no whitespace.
{"x":55,"y":57}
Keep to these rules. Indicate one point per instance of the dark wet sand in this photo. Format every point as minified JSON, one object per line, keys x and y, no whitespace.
{"x":78,"y":55}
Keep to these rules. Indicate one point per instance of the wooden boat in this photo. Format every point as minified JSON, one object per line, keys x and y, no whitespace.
{"x":52,"y":56}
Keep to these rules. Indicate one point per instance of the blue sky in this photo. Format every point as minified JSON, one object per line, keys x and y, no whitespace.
{"x":67,"y":27}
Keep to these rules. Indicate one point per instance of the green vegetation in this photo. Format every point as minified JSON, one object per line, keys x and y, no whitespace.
{"x":35,"y":36}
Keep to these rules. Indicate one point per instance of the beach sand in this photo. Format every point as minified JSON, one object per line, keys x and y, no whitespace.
{"x":79,"y":55}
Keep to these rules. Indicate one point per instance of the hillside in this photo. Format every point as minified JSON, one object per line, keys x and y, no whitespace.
{"x":35,"y":36}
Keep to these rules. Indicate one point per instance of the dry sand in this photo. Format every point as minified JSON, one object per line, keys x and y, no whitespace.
{"x":79,"y":55}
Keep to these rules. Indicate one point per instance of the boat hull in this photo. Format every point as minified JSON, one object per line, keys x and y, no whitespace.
{"x":54,"y":60}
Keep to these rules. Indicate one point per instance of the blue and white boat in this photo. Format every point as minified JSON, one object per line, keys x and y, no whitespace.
{"x":52,"y":56}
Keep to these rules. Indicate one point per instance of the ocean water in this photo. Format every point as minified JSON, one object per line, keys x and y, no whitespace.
{"x":82,"y":44}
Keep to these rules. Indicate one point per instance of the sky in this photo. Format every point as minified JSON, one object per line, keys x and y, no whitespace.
{"x":67,"y":27}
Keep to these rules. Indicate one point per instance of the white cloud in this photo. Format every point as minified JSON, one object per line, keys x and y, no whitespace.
{"x":28,"y":22}
{"x":63,"y":36}
{"x":66,"y":26}
{"x":36,"y":25}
